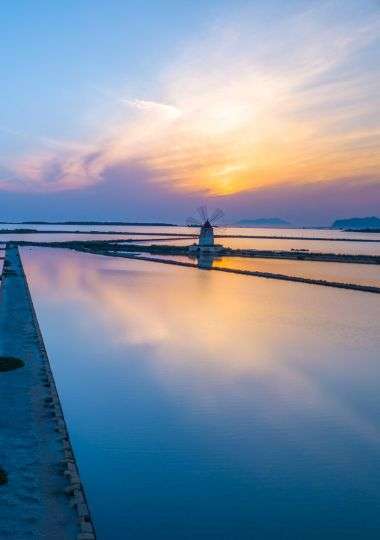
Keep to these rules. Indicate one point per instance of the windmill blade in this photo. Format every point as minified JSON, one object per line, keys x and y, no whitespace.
{"x":202,"y":211}
{"x":193,"y":221}
{"x":216,"y":215}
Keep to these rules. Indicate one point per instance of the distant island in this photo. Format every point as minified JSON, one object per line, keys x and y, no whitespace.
{"x":263,"y":222}
{"x":357,"y":224}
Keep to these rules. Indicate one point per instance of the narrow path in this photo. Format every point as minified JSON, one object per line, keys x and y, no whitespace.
{"x":37,"y":502}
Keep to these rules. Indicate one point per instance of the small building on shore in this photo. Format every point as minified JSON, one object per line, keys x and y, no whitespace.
{"x":206,"y":241}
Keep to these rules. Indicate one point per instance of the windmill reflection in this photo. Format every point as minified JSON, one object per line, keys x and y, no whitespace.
{"x":204,"y":259}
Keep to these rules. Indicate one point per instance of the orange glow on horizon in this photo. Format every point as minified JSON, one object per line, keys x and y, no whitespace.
{"x":237,"y":114}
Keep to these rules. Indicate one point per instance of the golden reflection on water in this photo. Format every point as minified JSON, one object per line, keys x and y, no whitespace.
{"x":273,"y":383}
{"x":152,"y":302}
{"x":205,"y":322}
{"x":273,"y":244}
{"x":204,"y":327}
{"x":361,"y":274}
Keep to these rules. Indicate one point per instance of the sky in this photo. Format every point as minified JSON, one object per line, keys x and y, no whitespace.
{"x":130,"y":110}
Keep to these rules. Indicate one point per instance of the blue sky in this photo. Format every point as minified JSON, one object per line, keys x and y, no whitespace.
{"x":119,"y":109}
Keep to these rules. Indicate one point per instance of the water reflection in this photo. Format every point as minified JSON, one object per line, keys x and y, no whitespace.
{"x":202,"y":259}
{"x":351,"y":248}
{"x":209,"y":405}
{"x":360,"y":274}
{"x":369,"y":248}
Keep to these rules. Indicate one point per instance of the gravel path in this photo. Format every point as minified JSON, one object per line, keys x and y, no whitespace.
{"x":33,"y":504}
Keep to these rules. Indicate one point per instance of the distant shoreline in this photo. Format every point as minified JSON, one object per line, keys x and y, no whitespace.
{"x":127,"y":223}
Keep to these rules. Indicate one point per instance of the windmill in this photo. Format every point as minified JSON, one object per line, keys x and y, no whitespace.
{"x":206,"y":224}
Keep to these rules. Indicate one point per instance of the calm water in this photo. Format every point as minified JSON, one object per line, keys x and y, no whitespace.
{"x":210,"y":405}
{"x":310,"y":233}
{"x":323,"y":246}
{"x":327,"y":246}
{"x":361,"y":274}
{"x":67,"y":237}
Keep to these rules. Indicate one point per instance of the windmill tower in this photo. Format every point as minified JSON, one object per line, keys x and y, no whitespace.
{"x":206,"y":236}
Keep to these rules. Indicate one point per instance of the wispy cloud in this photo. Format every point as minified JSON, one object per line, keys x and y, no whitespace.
{"x":249,"y":106}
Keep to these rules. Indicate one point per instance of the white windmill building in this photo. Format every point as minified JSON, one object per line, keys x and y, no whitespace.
{"x":206,"y":236}
{"x":206,"y":243}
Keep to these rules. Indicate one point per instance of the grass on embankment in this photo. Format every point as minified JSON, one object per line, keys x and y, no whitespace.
{"x":9,"y":363}
{"x":3,"y":477}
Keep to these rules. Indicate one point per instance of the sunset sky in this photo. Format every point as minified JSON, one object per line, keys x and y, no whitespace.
{"x":145,"y":110}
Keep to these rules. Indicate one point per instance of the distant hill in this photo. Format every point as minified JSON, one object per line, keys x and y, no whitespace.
{"x":357,"y":223}
{"x":263,"y":222}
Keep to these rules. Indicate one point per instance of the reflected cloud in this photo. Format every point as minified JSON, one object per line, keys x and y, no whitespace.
{"x":213,"y":331}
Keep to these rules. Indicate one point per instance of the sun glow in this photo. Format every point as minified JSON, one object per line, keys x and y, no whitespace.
{"x":240,"y":110}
